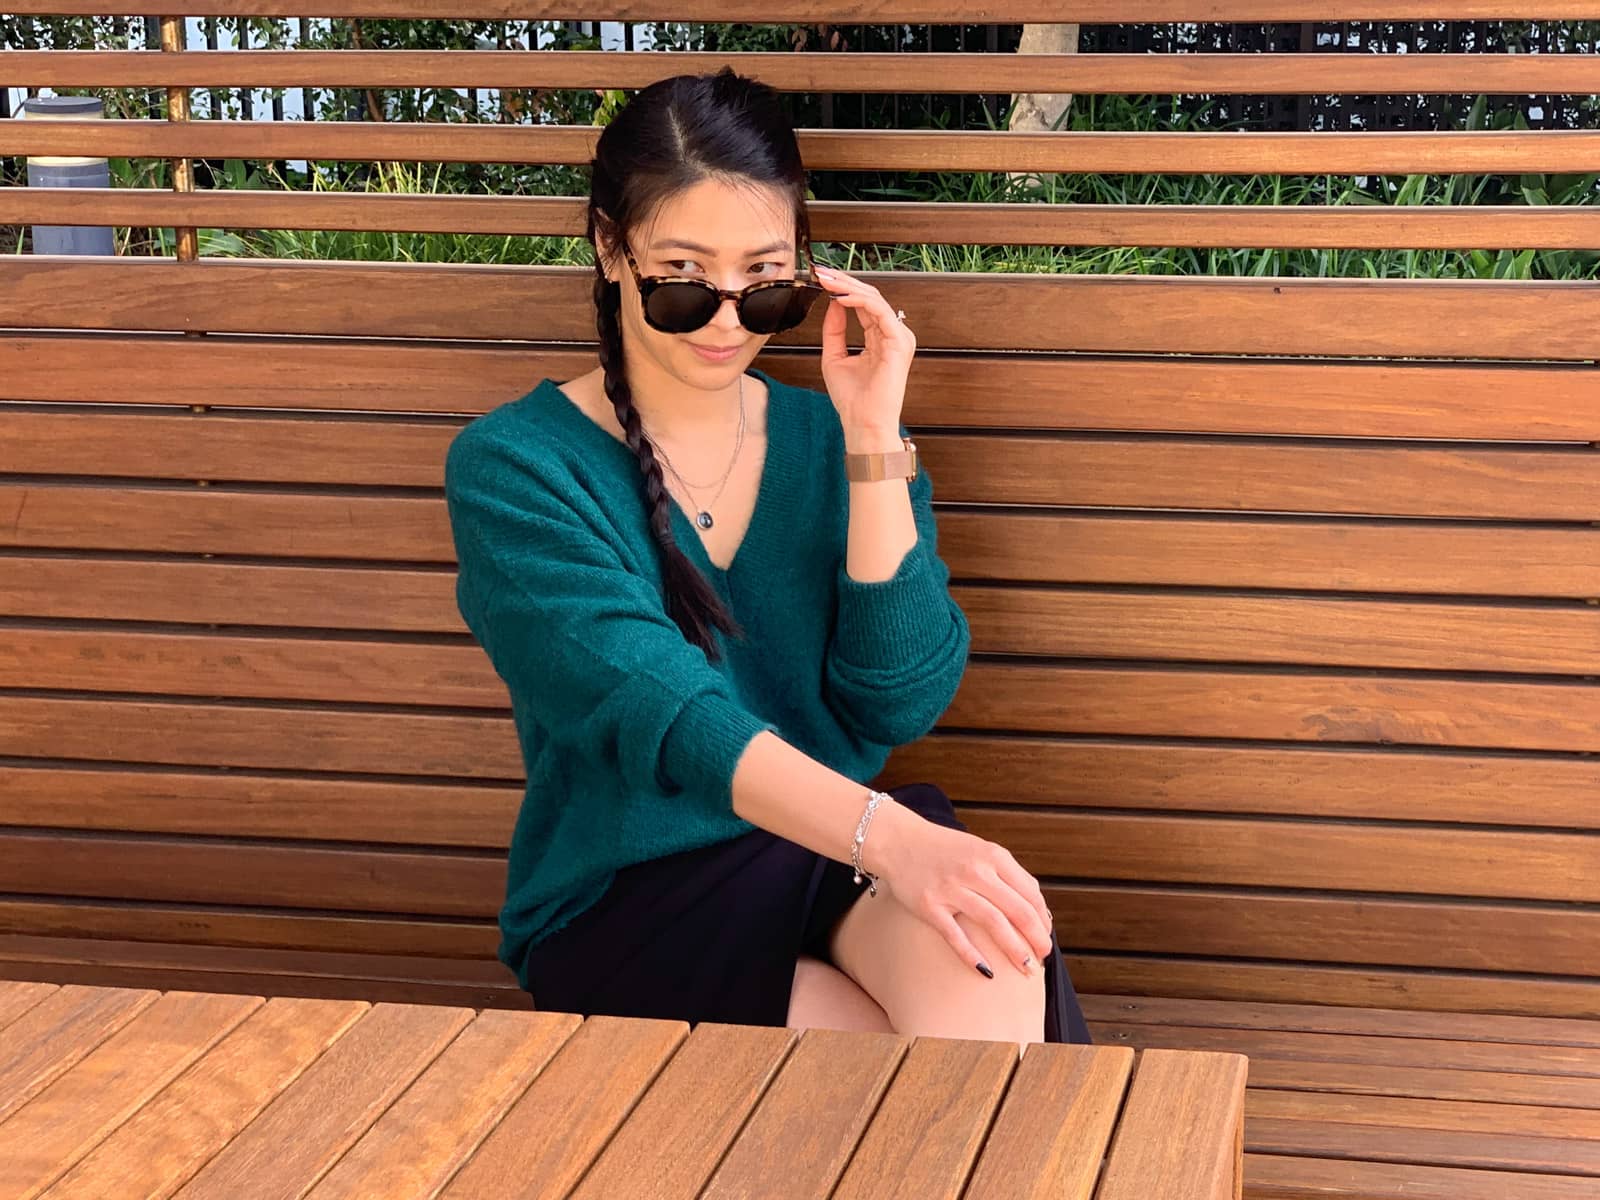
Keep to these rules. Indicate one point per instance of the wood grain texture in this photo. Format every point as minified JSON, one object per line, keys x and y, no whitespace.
{"x":1531,"y":401}
{"x":863,"y":71}
{"x":1389,"y":318}
{"x":1195,"y":1100}
{"x":1406,"y":152}
{"x":72,"y":1116}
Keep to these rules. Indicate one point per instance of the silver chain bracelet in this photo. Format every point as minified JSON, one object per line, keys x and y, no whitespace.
{"x":874,"y":799}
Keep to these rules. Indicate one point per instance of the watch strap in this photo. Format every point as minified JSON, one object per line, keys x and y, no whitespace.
{"x":891,"y":464}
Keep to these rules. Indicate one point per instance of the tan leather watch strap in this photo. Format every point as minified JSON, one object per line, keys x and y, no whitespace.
{"x":893,"y":464}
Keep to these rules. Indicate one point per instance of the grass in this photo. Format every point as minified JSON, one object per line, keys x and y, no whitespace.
{"x":1092,"y":113}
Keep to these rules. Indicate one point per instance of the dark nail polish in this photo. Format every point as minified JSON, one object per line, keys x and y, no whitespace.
{"x":984,"y":967}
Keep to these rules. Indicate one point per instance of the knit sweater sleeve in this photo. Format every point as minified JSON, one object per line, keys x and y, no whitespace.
{"x":898,"y":648}
{"x":584,"y":644}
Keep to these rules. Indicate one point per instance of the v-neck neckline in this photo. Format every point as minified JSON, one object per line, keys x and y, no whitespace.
{"x":777,"y":414}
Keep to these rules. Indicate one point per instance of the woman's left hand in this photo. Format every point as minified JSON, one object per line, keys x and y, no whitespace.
{"x":867,"y":389}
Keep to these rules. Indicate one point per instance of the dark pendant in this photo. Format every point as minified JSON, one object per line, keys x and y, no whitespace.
{"x":703,"y":520}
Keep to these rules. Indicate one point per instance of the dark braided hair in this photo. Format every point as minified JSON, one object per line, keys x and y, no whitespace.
{"x":670,"y":136}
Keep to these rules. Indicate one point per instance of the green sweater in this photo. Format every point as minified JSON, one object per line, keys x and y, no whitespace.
{"x":629,"y":734}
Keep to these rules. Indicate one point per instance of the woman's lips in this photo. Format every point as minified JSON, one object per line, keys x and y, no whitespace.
{"x":714,"y":355}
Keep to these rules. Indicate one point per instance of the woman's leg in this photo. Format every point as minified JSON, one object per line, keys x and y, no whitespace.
{"x":911,"y":972}
{"x":824,"y":997}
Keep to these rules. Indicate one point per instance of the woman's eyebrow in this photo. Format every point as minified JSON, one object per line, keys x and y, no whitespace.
{"x":771,"y":248}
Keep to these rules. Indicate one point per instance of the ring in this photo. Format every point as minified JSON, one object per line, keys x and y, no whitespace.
{"x":900,"y":313}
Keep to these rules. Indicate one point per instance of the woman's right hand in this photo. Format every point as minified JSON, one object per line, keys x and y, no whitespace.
{"x":937,"y":871}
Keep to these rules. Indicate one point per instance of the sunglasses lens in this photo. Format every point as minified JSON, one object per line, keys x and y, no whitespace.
{"x":679,"y":307}
{"x":774,"y":309}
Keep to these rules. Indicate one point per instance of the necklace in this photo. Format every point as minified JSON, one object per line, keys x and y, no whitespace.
{"x":703,"y":517}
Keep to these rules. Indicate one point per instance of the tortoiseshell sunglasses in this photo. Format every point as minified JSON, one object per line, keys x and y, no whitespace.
{"x":677,"y":304}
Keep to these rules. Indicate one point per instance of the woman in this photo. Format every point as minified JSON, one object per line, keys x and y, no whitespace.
{"x":697,"y":697}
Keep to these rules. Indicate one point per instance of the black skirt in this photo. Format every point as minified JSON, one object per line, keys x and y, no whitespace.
{"x":714,"y":934}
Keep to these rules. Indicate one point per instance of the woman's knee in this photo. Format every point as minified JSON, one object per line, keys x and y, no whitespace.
{"x":924,"y":986}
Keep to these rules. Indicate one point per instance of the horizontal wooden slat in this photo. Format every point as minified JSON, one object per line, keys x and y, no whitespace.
{"x":1284,"y":477}
{"x":1328,"y":1018}
{"x":239,"y":804}
{"x":259,"y":667}
{"x":1304,"y":782}
{"x":1128,"y":919}
{"x":1344,"y":555}
{"x":214,"y":520}
{"x":1539,"y":402}
{"x":437,"y":883}
{"x":1556,"y":940}
{"x":1013,"y":620}
{"x":245,"y":927}
{"x":1399,"y":1133}
{"x":1507,"y":1057}
{"x":989,"y":11}
{"x":1196,"y":225}
{"x":1220,"y":852}
{"x":400,"y":601}
{"x":1083,"y":913}
{"x":1279,"y":74}
{"x":1448,"y":152}
{"x":252,"y":971}
{"x":1292,"y":1177}
{"x":1233,"y":852}
{"x":1312,"y":983}
{"x":198,"y":733}
{"x":1266,"y":629}
{"x":1321,"y":707}
{"x":1301,"y":781}
{"x":1210,"y":474}
{"x":1571,"y":1094}
{"x":228,"y":446}
{"x":1155,"y":701}
{"x":1123,"y":313}
{"x":1195,"y":552}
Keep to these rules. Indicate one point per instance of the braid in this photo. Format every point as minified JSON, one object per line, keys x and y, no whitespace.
{"x":691,"y":601}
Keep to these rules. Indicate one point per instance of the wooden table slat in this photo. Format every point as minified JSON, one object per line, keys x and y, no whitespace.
{"x":586,"y":1092}
{"x":433,"y":1129}
{"x":1194,"y":1100}
{"x":806,"y":1127}
{"x":931,"y":1125}
{"x":679,"y":1131}
{"x":107,"y":1086}
{"x":308,"y":1127}
{"x":47,"y":1040}
{"x":1054,"y":1127}
{"x":181,"y":1129}
{"x":17,"y":998}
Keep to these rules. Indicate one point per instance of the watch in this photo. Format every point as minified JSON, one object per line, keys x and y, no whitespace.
{"x":893,"y":464}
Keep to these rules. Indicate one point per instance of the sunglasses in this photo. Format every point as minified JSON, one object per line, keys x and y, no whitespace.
{"x":674,"y":304}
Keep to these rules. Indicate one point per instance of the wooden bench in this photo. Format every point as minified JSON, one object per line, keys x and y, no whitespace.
{"x":1284,"y":620}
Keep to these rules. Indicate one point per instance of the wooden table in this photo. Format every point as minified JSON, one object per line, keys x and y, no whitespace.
{"x":117,"y":1092}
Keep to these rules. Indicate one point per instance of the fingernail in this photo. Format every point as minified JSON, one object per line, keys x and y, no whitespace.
{"x":1027,"y":961}
{"x":984,"y":967}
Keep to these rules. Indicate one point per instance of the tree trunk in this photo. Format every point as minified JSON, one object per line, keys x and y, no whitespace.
{"x":1042,"y":111}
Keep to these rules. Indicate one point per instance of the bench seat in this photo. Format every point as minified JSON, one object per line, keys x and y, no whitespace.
{"x":1378,"y":1104}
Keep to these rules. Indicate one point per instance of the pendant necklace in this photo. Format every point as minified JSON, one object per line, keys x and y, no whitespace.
{"x":703,"y":517}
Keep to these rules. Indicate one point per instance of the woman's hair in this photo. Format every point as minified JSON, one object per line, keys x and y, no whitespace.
{"x":670,"y":136}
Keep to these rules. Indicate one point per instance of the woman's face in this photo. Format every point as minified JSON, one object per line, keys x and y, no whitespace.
{"x":732,"y":236}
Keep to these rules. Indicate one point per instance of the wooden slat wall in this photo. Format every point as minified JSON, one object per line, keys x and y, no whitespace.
{"x":1285,"y":593}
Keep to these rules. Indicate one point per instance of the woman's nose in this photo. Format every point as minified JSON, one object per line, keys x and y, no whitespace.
{"x":727,"y":315}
